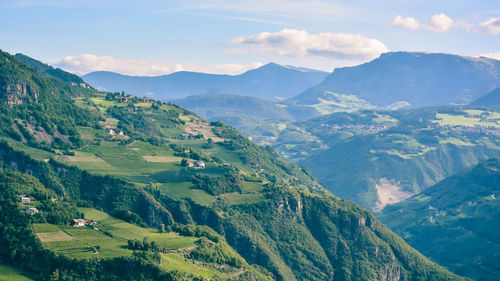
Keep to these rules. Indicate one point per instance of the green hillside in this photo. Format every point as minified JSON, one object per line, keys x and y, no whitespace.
{"x":456,"y":221}
{"x":111,"y":237}
{"x":382,"y":157}
{"x":159,"y":166}
{"x":178,"y":252}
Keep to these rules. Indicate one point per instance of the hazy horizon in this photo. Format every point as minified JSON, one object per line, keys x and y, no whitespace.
{"x":150,"y":38}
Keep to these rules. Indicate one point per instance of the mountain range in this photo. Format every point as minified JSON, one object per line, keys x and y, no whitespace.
{"x":167,"y":195}
{"x":392,"y":81}
{"x":271,"y":81}
{"x":409,"y":78}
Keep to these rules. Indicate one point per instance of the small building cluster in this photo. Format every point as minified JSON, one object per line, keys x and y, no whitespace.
{"x":113,"y":131}
{"x":196,"y":164}
{"x":31,"y":211}
{"x":27,"y":200}
{"x":83,"y":85}
{"x":82,"y":222}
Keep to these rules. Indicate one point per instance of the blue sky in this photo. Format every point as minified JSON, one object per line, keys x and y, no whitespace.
{"x":151,"y":37}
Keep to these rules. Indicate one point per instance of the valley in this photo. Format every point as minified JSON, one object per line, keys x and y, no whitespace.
{"x":259,"y":211}
{"x":455,"y":222}
{"x":249,"y":140}
{"x":382,"y":156}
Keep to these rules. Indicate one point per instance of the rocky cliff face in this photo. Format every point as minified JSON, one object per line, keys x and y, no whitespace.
{"x":21,"y":93}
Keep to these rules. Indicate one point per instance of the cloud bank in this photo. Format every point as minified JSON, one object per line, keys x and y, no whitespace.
{"x":492,"y":55}
{"x":85,"y":63}
{"x":437,"y":23}
{"x":492,"y":26}
{"x":300,"y":43}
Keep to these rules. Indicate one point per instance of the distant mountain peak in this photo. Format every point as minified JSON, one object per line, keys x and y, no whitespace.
{"x":273,"y":65}
{"x":268,"y":82}
{"x":420,"y":78}
{"x":427,"y":53}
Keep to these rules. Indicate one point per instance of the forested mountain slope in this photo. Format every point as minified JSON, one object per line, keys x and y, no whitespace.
{"x":456,"y":222}
{"x":157,"y":165}
{"x":54,"y":72}
{"x":376,"y":158}
{"x":490,"y":99}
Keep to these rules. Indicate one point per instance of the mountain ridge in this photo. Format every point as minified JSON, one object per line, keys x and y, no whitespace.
{"x":268,"y":81}
{"x":265,"y":207}
{"x":463,"y":206}
{"x":413,"y":77}
{"x":490,"y":99}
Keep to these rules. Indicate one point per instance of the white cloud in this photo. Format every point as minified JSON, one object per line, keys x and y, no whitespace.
{"x":492,"y":26}
{"x":440,"y":23}
{"x":437,"y":23}
{"x":408,"y":23}
{"x":300,"y":43}
{"x":82,"y":64}
{"x":492,"y":55}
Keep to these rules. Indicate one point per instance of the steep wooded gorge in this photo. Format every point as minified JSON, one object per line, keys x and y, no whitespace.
{"x":456,"y":221}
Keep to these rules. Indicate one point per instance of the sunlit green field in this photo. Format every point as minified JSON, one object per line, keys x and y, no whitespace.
{"x":106,"y":103}
{"x":106,"y":239}
{"x":177,"y":262}
{"x":179,"y":190}
{"x":471,"y":118}
{"x":109,"y":238}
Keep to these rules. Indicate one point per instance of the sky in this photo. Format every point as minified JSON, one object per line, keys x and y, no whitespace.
{"x":153,"y":37}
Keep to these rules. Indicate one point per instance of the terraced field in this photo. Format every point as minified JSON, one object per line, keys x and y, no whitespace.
{"x":108,"y":239}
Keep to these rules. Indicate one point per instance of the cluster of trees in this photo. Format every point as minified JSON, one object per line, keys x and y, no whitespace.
{"x":209,"y":251}
{"x":50,"y":207}
{"x":128,"y":216}
{"x":196,"y":231}
{"x":115,"y":95}
{"x":218,"y":184}
{"x":183,"y":151}
{"x":144,"y":245}
{"x":145,"y":124}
